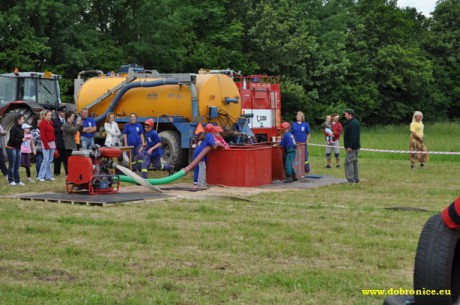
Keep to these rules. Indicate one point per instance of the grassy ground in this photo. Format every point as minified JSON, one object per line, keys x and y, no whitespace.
{"x":318,"y":246}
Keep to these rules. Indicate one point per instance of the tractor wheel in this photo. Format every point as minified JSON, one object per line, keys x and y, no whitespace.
{"x":173,"y":154}
{"x":437,"y":263}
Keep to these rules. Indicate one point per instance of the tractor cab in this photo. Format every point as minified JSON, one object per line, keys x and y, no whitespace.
{"x":30,"y":87}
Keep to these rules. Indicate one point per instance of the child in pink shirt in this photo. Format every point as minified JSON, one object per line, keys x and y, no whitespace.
{"x":27,"y":147}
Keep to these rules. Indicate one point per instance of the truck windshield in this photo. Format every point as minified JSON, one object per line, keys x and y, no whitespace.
{"x":7,"y":89}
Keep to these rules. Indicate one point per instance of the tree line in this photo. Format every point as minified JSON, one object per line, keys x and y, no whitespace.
{"x":370,"y":55}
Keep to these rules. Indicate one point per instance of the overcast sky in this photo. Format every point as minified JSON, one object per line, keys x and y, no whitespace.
{"x":424,"y":6}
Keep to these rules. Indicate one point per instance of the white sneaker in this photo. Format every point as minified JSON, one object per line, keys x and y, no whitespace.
{"x":20,"y":183}
{"x":12,"y":183}
{"x":52,"y":179}
{"x":30,"y":179}
{"x":41,"y":180}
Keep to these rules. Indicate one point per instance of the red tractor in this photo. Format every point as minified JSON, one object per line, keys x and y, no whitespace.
{"x":27,"y":93}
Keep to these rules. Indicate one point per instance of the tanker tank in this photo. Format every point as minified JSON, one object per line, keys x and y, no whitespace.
{"x":167,"y":100}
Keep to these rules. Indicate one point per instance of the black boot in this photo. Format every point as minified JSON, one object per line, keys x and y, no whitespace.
{"x":288,"y":179}
{"x":294,"y":178}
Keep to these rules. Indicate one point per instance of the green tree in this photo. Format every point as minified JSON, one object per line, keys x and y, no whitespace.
{"x":443,"y":43}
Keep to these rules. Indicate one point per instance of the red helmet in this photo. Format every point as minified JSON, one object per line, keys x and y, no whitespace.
{"x":149,"y":122}
{"x":285,"y":125}
{"x":209,"y":128}
{"x":218,"y":129}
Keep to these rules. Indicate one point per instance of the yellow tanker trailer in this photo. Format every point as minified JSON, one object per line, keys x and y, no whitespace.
{"x":176,"y":102}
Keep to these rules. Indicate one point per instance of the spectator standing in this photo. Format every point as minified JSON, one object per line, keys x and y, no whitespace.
{"x":112,"y":131}
{"x":301,"y":131}
{"x":3,"y":167}
{"x":70,"y":128}
{"x":417,"y":145}
{"x":48,"y":147}
{"x":88,"y":130}
{"x":27,"y":147}
{"x":352,"y":145}
{"x":133,"y":135}
{"x":58,"y":122}
{"x":35,"y":132}
{"x":13,"y":149}
{"x":289,"y":144}
{"x":336,"y":128}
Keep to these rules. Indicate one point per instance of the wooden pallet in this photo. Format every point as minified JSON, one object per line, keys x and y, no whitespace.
{"x":96,"y":200}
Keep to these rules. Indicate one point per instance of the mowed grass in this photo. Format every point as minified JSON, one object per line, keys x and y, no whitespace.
{"x":316,"y":246}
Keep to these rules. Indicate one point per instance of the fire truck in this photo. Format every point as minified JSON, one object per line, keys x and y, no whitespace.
{"x":260,"y":96}
{"x":260,"y":102}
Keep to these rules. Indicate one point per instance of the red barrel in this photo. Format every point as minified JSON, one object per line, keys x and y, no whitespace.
{"x":278,"y":171}
{"x":249,"y":165}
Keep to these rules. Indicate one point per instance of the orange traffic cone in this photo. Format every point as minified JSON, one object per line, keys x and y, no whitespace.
{"x":199,"y":129}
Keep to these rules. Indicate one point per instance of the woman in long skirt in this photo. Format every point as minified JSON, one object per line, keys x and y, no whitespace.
{"x":417,"y":145}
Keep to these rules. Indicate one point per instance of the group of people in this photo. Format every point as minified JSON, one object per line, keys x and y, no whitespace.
{"x":211,"y":137}
{"x":299,"y":132}
{"x":53,"y":140}
{"x":47,"y":139}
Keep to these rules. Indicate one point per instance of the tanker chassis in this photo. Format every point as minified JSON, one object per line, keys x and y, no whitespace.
{"x":178,"y":103}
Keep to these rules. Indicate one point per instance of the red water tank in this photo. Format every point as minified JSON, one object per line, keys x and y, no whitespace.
{"x":248,"y":165}
{"x":80,"y":169}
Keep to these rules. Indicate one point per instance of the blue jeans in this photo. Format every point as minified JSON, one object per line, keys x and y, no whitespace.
{"x":3,"y":167}
{"x":14,"y":162}
{"x":38,"y":162}
{"x":86,"y":142}
{"x":45,"y":168}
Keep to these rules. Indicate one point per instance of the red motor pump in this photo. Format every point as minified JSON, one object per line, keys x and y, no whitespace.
{"x":91,"y":170}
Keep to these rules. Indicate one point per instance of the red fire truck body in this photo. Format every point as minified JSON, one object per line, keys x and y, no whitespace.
{"x":260,"y":96}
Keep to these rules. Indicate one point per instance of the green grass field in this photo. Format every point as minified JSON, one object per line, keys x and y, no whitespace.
{"x":316,"y":246}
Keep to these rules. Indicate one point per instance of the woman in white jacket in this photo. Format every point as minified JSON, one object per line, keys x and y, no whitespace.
{"x":112,"y":131}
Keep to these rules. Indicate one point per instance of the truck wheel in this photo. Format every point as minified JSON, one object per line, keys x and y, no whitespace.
{"x":437,"y":263}
{"x":172,"y":152}
{"x":8,"y":120}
